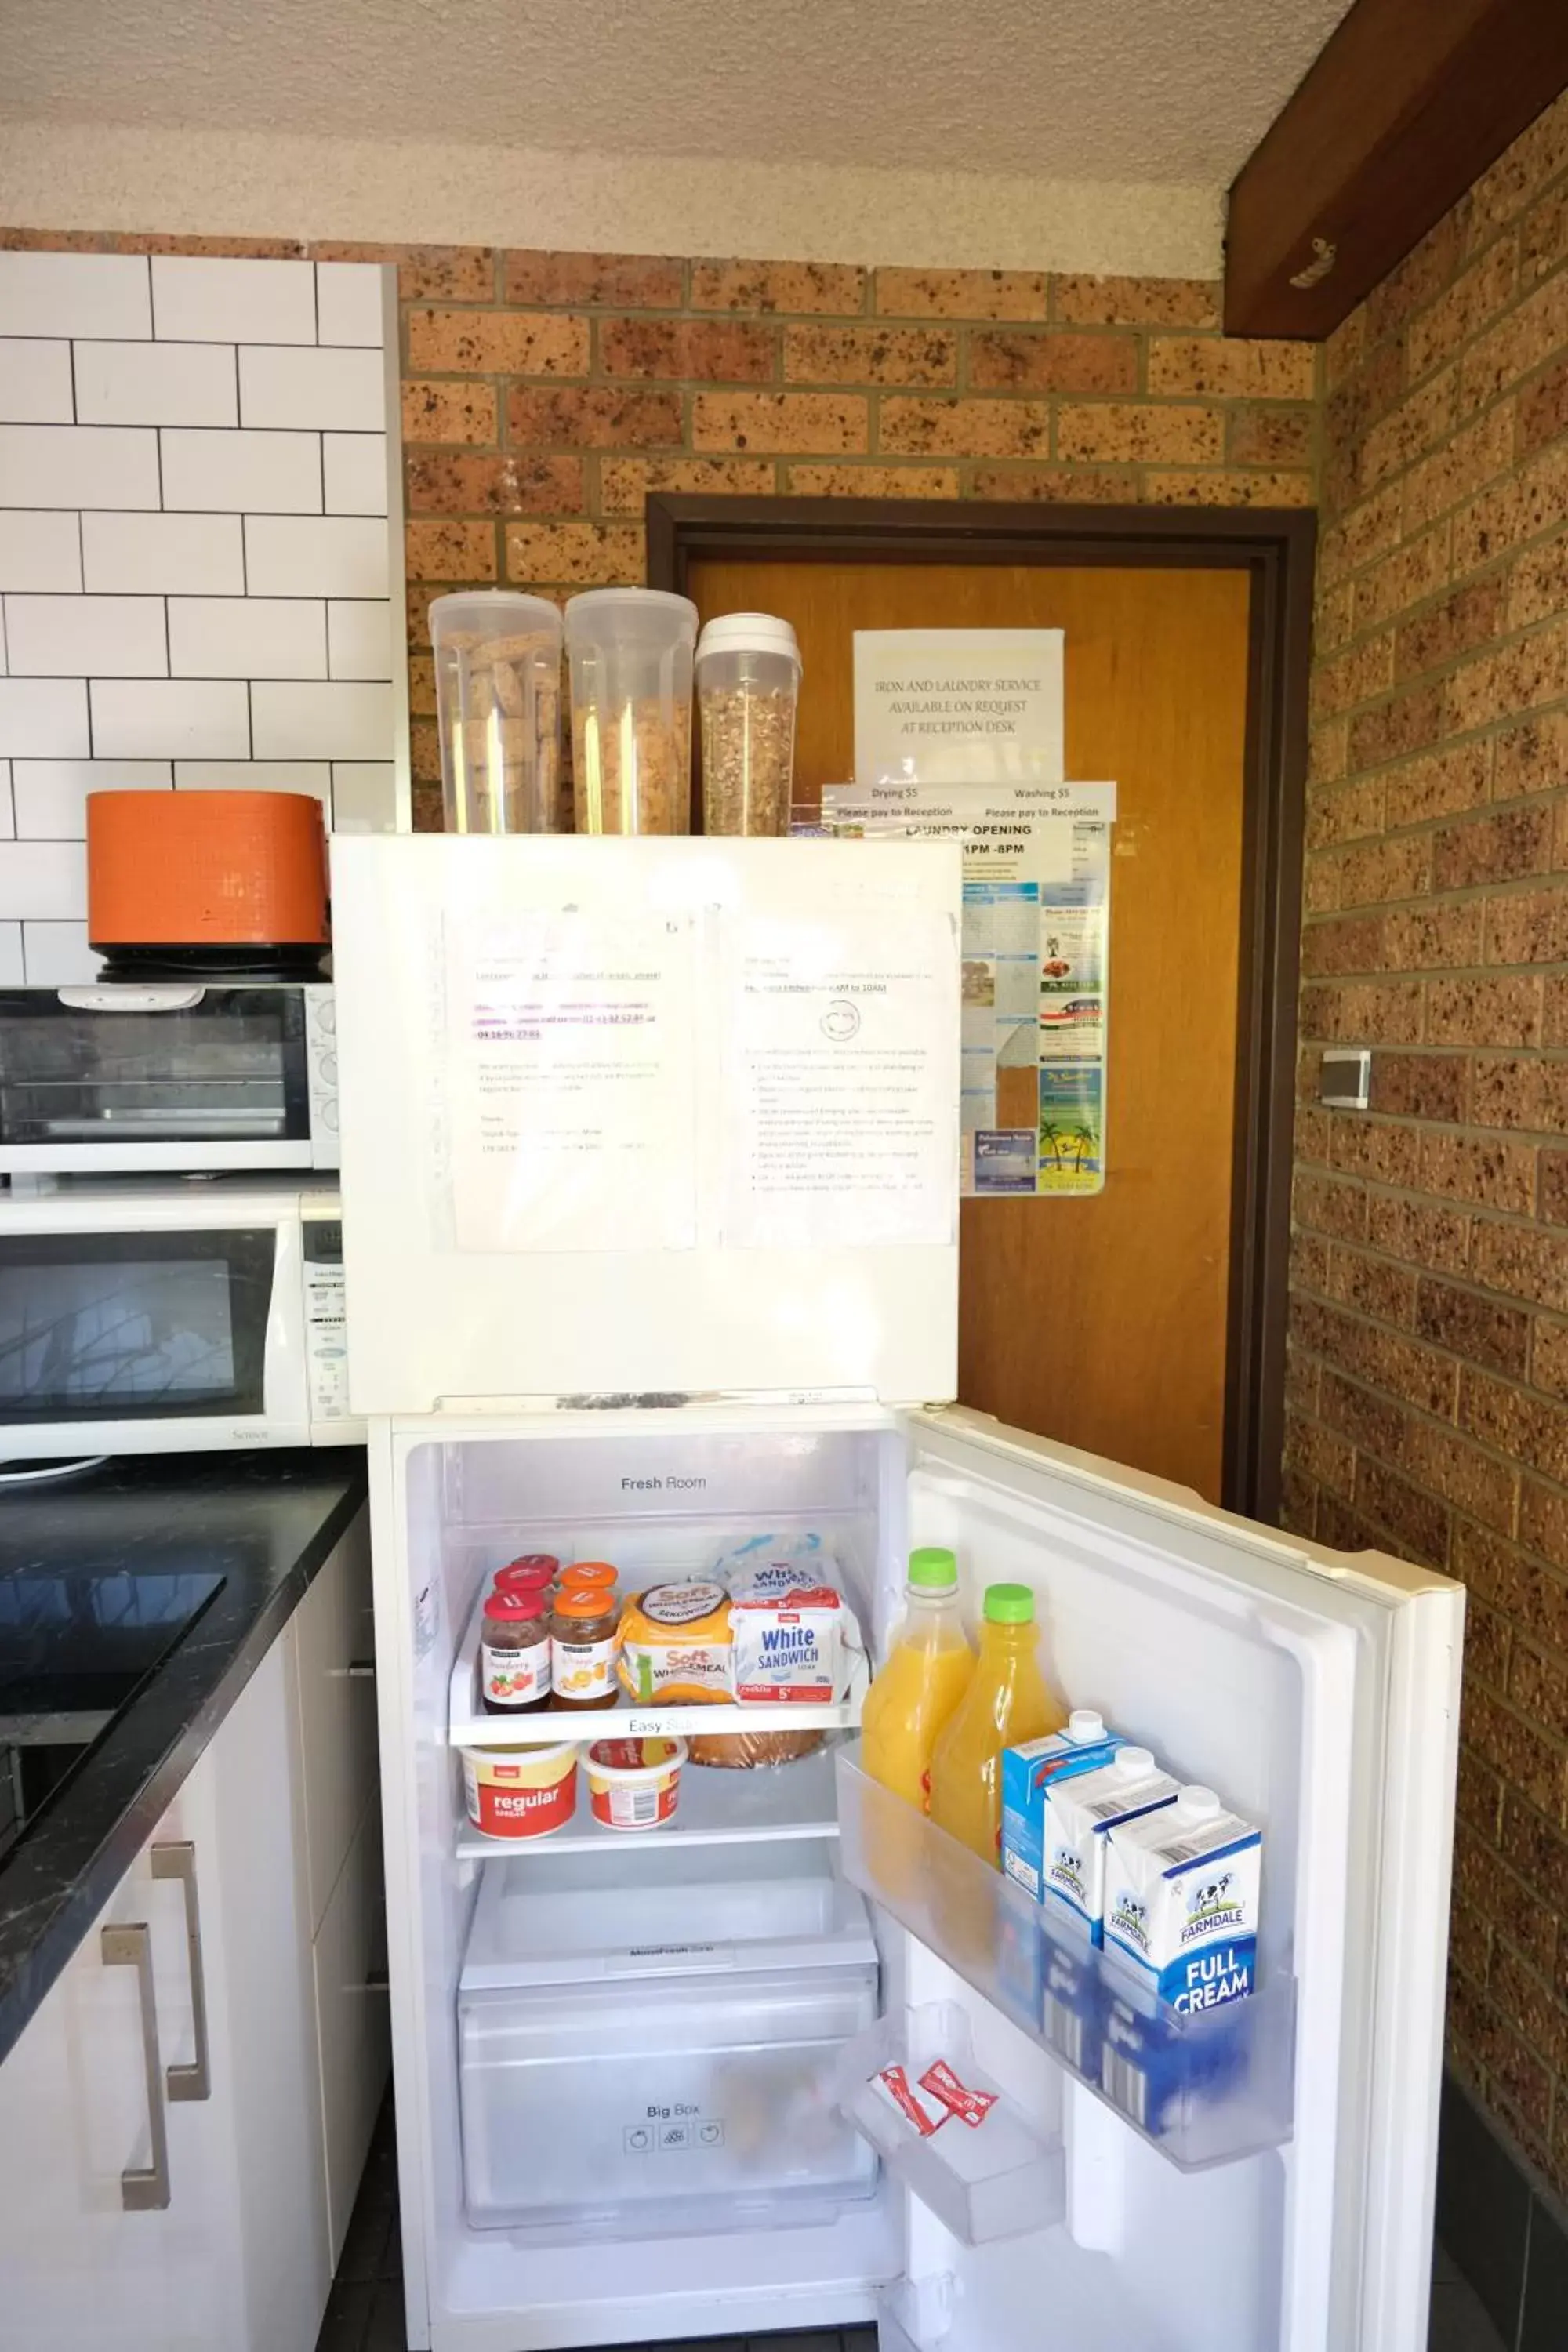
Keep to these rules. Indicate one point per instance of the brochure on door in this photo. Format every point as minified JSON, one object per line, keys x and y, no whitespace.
{"x":1036,"y":879}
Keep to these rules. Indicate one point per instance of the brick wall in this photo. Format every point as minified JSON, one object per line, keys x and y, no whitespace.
{"x":546,"y":393}
{"x":1429,"y":1356}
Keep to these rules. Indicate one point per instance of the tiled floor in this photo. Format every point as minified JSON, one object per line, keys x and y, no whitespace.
{"x":365,"y":2314}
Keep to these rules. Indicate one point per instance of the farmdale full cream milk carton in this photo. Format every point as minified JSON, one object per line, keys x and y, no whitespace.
{"x":1080,"y":1814}
{"x":1180,"y":1900}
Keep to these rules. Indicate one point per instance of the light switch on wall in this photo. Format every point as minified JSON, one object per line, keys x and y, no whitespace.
{"x":1344,"y":1081}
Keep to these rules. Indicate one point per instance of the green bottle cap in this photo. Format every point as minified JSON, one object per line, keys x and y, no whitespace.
{"x":1009,"y":1604}
{"x":934,"y":1570}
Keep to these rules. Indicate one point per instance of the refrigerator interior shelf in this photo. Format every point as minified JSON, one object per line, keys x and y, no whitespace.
{"x":467,"y":1725}
{"x":992,"y":2177}
{"x":715,"y":1807}
{"x":1202,"y":2090}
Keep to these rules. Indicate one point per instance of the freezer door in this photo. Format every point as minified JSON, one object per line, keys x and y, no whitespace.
{"x":633,"y":1118}
{"x":1318,"y":1694}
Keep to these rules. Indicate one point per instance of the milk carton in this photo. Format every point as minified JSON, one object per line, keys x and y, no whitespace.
{"x":1180,"y":1900}
{"x":1027,"y":1771}
{"x":1081,"y":1812}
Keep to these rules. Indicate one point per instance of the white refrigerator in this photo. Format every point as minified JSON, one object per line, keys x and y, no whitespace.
{"x":649,"y":1156}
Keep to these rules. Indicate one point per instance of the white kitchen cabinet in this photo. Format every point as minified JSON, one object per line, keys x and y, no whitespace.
{"x":151,"y":2201}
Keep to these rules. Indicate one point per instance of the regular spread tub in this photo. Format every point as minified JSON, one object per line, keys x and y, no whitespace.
{"x":634,"y":1784}
{"x":520,"y":1792}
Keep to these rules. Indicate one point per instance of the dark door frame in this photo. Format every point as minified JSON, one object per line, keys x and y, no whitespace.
{"x":1276,"y":548}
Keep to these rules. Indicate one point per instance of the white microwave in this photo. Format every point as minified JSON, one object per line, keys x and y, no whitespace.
{"x":141,"y":1317}
{"x":118,"y":1077}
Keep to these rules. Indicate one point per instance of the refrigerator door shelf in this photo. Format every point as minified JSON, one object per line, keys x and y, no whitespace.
{"x":916,"y":2315}
{"x":993,"y":2177}
{"x":1202,"y":2091}
{"x":469,"y":1727}
{"x":777,"y":1803}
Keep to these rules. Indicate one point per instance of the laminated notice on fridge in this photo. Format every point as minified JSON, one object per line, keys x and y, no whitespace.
{"x":841,"y":1081}
{"x":1037,"y":888}
{"x":570,"y":1102}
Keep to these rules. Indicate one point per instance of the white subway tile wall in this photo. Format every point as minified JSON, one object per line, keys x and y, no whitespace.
{"x":194,"y":555}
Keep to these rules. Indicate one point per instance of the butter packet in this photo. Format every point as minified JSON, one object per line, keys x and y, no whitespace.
{"x":1182,"y":1890}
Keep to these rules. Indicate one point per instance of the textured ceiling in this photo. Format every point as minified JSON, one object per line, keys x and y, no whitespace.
{"x":1131,"y":90}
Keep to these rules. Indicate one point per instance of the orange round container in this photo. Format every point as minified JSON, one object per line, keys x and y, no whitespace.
{"x":205,"y":870}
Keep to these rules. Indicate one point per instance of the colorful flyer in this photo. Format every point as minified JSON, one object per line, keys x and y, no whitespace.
{"x":1037,"y":877}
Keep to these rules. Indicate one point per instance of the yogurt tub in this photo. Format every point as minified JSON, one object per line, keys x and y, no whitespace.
{"x":520,"y":1792}
{"x":634,"y":1784}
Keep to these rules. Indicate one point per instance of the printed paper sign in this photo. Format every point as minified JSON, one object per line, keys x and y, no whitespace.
{"x":965,"y":706}
{"x":571,"y":1110}
{"x":1035,"y":903}
{"x":840,"y":1081}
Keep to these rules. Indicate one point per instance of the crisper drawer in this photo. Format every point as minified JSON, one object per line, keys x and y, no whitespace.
{"x":579,"y":2106}
{"x":666,"y":2037}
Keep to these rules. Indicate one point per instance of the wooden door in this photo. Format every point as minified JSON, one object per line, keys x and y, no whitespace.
{"x":1100,"y":1321}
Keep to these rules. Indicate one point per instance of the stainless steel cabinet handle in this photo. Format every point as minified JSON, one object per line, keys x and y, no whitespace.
{"x":143,"y":2190}
{"x":179,"y":1861}
{"x":362,"y":1670}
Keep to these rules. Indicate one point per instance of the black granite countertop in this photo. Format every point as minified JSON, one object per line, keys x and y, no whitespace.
{"x":264,"y":1522}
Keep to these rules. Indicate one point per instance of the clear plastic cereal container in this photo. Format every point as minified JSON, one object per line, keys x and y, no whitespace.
{"x":630,"y":651}
{"x":748,"y":685}
{"x":498,"y":700}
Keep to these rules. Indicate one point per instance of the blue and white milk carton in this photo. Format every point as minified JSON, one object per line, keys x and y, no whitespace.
{"x":1180,"y":1900}
{"x":1027,"y":1771}
{"x":1080,"y":1814}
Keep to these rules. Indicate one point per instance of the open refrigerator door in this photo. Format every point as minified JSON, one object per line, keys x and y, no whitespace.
{"x":1257,"y":2178}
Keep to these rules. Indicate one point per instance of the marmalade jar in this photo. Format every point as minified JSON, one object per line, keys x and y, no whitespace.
{"x":583,"y":1640}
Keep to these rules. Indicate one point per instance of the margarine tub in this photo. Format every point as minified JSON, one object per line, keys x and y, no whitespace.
{"x":520,"y":1792}
{"x":634,"y":1784}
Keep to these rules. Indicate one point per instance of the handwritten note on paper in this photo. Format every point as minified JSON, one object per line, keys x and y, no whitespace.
{"x":572,"y":1102}
{"x":961,"y":706}
{"x":841,"y":1081}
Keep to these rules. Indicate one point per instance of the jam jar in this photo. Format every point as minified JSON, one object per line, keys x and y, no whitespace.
{"x":515,"y":1652}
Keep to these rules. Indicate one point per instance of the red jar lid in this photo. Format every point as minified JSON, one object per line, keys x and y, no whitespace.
{"x":530,"y":1575}
{"x":513,"y":1608}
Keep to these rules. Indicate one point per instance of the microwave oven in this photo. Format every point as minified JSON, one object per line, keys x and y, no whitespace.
{"x":141,"y":1317}
{"x":116,"y":1077}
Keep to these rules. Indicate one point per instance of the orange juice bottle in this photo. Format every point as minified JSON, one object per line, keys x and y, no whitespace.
{"x":1006,"y":1701}
{"x":925,"y":1675}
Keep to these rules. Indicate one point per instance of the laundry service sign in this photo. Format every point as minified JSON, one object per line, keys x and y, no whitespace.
{"x":958,"y":706}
